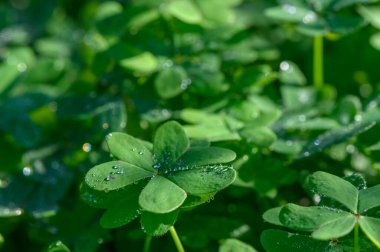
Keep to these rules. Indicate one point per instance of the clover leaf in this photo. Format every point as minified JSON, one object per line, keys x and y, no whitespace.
{"x":344,"y":204}
{"x":155,"y":181}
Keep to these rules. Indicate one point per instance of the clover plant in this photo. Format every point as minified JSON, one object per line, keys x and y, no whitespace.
{"x":156,"y":180}
{"x":344,"y":206}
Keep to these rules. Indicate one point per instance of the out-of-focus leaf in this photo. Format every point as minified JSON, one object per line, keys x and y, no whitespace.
{"x":171,"y":82}
{"x":185,"y":10}
{"x":235,"y":245}
{"x":58,"y":247}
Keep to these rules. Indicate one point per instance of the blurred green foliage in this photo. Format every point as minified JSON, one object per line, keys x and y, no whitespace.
{"x":235,"y":73}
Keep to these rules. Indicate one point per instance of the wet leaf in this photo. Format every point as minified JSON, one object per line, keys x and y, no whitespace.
{"x":161,"y":195}
{"x":331,"y":186}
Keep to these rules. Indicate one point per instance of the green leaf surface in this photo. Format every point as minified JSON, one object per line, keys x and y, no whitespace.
{"x":348,"y":108}
{"x":371,"y":228}
{"x":114,"y":175}
{"x":308,"y":218}
{"x":157,"y":224}
{"x":9,"y":74}
{"x":161,"y":195}
{"x":144,"y":63}
{"x":195,"y":200}
{"x":286,"y":147}
{"x":335,"y":228}
{"x":122,"y":210}
{"x":235,"y":245}
{"x":371,"y":14}
{"x":337,"y":135}
{"x":131,"y":150}
{"x":369,"y":198}
{"x":98,"y":199}
{"x":202,"y":180}
{"x":331,"y":186}
{"x":298,"y":97}
{"x":198,"y":156}
{"x":277,"y":240}
{"x":289,"y":13}
{"x":185,"y":10}
{"x":290,"y":74}
{"x":260,"y":136}
{"x":170,"y":82}
{"x":212,"y":134}
{"x":273,"y":216}
{"x":170,"y":142}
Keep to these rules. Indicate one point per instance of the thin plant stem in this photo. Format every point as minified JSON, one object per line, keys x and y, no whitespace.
{"x":147,"y":242}
{"x":176,"y":239}
{"x":356,"y":238}
{"x":318,"y":61}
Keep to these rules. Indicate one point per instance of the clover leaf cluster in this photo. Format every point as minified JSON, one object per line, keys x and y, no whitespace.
{"x":343,"y":207}
{"x":156,"y":180}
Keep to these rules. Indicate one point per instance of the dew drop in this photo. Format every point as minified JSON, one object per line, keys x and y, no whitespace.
{"x":289,"y":9}
{"x":133,"y":149}
{"x":109,"y":178}
{"x":358,"y":118}
{"x":317,"y":142}
{"x":284,"y":66}
{"x":306,"y":154}
{"x":116,"y":166}
{"x":86,"y":147}
{"x":27,"y":171}
{"x":18,"y":211}
{"x":141,"y":153}
{"x":157,"y":166}
{"x":120,"y":172}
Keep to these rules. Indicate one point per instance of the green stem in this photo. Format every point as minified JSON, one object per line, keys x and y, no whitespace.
{"x":147,"y":242}
{"x":356,"y":238}
{"x":318,"y":61}
{"x":176,"y":239}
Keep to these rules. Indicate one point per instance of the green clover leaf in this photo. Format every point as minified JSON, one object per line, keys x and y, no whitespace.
{"x":344,"y":205}
{"x":154,"y":181}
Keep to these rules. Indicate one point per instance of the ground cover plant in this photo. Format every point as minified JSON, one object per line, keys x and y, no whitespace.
{"x":189,"y":125}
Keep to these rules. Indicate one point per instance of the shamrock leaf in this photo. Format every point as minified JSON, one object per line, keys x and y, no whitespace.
{"x":155,"y":180}
{"x":329,"y":220}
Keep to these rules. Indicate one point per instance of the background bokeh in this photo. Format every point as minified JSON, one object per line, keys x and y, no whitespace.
{"x":73,"y":71}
